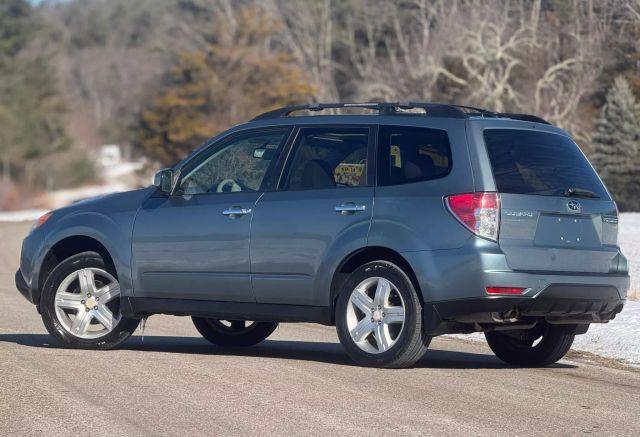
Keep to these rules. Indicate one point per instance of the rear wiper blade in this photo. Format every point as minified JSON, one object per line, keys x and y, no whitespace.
{"x":580,"y":192}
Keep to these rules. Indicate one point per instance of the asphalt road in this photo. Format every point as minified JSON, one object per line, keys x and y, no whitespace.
{"x":299,"y":382}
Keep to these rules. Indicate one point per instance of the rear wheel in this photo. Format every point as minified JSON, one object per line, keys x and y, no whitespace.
{"x":543,"y":345}
{"x":379,"y":317}
{"x":230,"y":333}
{"x":80,"y":304}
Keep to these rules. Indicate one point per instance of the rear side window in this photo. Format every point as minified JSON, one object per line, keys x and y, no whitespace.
{"x":329,"y":158}
{"x":528,"y":162}
{"x":412,"y":154}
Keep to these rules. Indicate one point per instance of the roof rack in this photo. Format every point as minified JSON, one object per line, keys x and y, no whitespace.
{"x":523,"y":117}
{"x":514,"y":116}
{"x":383,"y":108}
{"x":398,"y":108}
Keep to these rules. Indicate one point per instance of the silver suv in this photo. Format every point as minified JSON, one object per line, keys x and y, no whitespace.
{"x":397,"y":226}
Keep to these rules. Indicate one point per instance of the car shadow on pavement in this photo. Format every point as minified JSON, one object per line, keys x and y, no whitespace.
{"x":331,"y":353}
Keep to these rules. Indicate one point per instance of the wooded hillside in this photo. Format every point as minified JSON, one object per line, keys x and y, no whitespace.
{"x":164,"y":75}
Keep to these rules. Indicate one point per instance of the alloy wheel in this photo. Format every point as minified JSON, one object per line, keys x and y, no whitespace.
{"x":87,"y":303}
{"x":375,"y":315}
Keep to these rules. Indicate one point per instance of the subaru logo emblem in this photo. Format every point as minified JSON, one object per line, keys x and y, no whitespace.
{"x":574,"y":206}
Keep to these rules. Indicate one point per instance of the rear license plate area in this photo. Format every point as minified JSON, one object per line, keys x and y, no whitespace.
{"x":561,"y":230}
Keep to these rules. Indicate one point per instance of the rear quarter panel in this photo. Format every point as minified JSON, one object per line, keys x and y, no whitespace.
{"x":412,"y":217}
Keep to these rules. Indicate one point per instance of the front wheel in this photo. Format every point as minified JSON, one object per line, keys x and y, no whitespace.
{"x":379,"y":317}
{"x":80,"y":304}
{"x":543,"y":345}
{"x":231,"y":333}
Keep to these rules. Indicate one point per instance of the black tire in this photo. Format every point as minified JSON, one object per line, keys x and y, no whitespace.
{"x":411,"y":343}
{"x":517,"y":348}
{"x":120,"y":332}
{"x":237,"y":333}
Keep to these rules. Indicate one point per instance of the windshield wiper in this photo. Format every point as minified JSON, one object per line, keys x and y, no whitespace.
{"x":580,"y":192}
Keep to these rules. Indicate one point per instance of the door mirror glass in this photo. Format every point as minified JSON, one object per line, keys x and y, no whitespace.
{"x":163,"y":179}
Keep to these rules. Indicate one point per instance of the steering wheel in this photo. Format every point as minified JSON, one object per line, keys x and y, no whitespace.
{"x":234,"y":186}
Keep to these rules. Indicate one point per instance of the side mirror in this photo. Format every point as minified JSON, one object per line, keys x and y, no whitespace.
{"x":163,"y":179}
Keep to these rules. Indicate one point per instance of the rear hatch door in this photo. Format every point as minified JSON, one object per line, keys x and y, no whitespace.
{"x":556,"y":214}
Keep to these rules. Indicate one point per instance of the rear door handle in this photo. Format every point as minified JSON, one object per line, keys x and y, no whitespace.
{"x":349,"y":208}
{"x":236,"y":211}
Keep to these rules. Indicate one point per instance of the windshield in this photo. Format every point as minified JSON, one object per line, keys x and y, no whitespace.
{"x":529,"y":162}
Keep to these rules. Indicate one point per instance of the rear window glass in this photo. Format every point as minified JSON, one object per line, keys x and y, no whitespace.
{"x":412,"y":154}
{"x":527,"y":162}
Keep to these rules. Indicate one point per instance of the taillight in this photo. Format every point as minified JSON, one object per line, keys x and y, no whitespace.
{"x":478,"y":212}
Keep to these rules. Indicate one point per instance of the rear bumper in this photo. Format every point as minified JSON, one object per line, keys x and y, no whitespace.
{"x":24,"y":288}
{"x":557,"y":303}
{"x":453,"y":283}
{"x":465,"y":272}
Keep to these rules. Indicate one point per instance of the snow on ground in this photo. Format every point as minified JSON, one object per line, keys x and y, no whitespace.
{"x":629,"y":240}
{"x":619,"y":339}
{"x":113,"y":172}
{"x":61,"y":198}
{"x":21,"y":216}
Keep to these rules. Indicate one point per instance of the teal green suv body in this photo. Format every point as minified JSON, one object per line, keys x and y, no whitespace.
{"x":404,"y":222}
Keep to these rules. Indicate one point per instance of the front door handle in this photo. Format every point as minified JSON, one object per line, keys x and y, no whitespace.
{"x":349,"y":208}
{"x":236,"y":211}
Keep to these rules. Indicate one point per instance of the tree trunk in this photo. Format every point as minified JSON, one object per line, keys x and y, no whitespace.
{"x":6,"y":169}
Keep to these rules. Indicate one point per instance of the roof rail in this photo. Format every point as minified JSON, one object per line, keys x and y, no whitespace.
{"x":523,"y":117}
{"x":383,"y":108}
{"x":471,"y":110}
{"x":392,"y":108}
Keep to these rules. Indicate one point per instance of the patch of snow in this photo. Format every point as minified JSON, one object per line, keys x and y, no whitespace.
{"x":618,"y":339}
{"x":22,"y":215}
{"x":122,"y":168}
{"x":60,"y":198}
{"x":629,"y":240}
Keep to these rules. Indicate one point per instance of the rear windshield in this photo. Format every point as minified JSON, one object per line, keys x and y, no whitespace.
{"x":527,"y":162}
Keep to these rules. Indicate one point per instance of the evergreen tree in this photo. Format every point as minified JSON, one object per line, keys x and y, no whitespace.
{"x":617,"y":145}
{"x":30,"y":123}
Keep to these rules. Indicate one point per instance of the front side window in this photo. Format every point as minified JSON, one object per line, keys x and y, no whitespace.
{"x":412,"y":154}
{"x":329,"y":158}
{"x":239,"y":164}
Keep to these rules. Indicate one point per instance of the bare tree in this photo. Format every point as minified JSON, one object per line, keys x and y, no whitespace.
{"x":494,"y":48}
{"x":572,"y":58}
{"x":308,"y":33}
{"x":397,"y":48}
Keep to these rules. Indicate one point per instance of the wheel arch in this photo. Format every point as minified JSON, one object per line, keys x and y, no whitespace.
{"x":362,"y":256}
{"x":69,"y":246}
